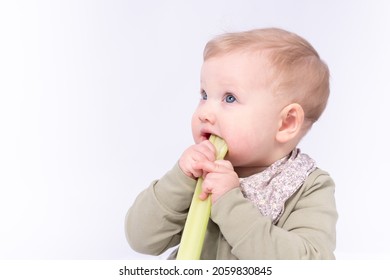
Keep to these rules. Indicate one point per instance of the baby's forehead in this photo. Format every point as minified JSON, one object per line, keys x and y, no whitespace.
{"x":256,"y":60}
{"x":235,"y":69}
{"x":244,"y":60}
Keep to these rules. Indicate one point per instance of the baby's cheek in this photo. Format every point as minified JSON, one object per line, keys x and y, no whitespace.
{"x":240,"y":152}
{"x":235,"y":154}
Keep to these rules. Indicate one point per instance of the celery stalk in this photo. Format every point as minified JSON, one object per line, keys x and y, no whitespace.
{"x":199,"y":213}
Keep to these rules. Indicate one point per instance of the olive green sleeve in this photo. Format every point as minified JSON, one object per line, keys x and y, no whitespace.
{"x":306,"y":229}
{"x":155,"y":220}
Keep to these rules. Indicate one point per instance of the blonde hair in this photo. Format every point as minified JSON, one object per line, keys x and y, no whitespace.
{"x":296,"y":69}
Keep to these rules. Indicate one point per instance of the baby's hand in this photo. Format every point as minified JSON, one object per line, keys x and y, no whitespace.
{"x":219,"y":179}
{"x":204,"y":151}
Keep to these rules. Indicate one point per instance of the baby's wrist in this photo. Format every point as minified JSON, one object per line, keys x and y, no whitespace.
{"x":185,"y":171}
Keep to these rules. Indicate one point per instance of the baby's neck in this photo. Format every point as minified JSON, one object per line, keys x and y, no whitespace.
{"x":244,"y":172}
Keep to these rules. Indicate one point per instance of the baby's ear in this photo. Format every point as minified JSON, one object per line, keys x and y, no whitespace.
{"x":290,"y":123}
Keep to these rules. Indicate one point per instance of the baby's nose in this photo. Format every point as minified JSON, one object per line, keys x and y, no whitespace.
{"x":207,"y":116}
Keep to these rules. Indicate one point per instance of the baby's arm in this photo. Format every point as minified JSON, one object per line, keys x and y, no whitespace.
{"x":305,"y":231}
{"x":156,"y":218}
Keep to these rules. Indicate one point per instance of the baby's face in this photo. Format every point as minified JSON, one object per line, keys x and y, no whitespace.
{"x":237,"y":105}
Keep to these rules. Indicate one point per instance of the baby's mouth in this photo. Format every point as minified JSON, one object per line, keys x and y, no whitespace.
{"x":207,"y":135}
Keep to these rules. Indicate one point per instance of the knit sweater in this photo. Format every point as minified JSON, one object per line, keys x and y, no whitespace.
{"x":236,"y":230}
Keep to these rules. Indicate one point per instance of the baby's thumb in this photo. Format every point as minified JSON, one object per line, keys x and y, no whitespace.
{"x":203,"y":195}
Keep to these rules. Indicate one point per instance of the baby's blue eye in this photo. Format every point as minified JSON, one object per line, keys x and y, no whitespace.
{"x":230,"y":98}
{"x":203,"y":95}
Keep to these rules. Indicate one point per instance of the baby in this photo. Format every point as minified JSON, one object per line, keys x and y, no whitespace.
{"x":261,"y":91}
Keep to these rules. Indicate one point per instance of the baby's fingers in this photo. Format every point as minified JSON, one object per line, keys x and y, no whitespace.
{"x":218,"y":166}
{"x":206,"y":149}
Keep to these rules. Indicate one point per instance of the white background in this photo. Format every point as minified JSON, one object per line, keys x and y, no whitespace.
{"x":96,"y":99}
